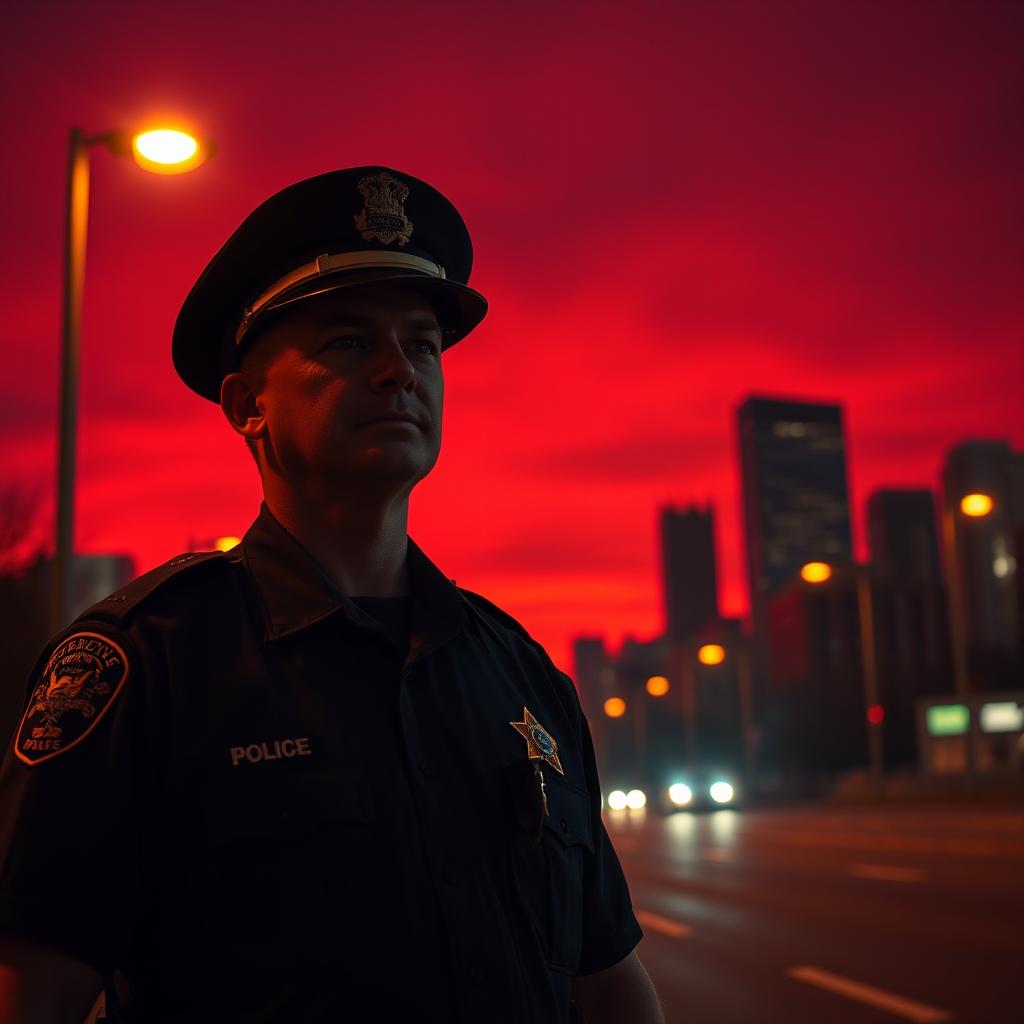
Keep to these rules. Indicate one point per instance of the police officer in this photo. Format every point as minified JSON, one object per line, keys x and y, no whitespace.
{"x":312,"y":779}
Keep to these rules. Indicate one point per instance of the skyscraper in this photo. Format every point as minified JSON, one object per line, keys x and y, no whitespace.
{"x":795,"y":501}
{"x":689,"y":579}
{"x":986,"y":549}
{"x":903,"y":536}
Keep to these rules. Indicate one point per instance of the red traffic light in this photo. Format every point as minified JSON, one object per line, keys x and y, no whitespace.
{"x":876,"y":714}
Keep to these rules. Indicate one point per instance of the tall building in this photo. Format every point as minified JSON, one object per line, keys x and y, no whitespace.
{"x":988,"y":555}
{"x":795,"y":501}
{"x":689,"y":579}
{"x":903,"y":535}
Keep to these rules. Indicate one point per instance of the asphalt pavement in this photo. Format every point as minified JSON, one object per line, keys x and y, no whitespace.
{"x":832,"y":916}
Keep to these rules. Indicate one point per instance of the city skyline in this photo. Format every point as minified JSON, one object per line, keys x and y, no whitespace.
{"x":691,"y":204}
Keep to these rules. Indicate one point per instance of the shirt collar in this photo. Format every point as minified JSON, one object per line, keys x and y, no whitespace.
{"x":296,"y":592}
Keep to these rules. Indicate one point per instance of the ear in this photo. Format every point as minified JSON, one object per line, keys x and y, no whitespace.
{"x":241,"y":407}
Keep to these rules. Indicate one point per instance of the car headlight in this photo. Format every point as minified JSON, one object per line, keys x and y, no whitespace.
{"x":680,"y":794}
{"x":616,"y":800}
{"x":635,"y":799}
{"x":721,"y":792}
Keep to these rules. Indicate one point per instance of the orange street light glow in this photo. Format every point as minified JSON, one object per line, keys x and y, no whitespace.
{"x":711,"y":654}
{"x":657,"y":686}
{"x":167,"y":151}
{"x":226,"y":543}
{"x":614,"y":707}
{"x":816,"y":572}
{"x":976,"y":505}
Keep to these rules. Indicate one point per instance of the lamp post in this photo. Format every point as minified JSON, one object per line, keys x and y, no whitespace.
{"x":716,"y":654}
{"x":162,"y":151}
{"x":817,"y":573}
{"x":970,"y":506}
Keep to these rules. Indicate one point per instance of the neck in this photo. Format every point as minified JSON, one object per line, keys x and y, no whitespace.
{"x":360,"y":545}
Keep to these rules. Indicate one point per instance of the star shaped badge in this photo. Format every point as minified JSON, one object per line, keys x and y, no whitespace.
{"x":540,"y":746}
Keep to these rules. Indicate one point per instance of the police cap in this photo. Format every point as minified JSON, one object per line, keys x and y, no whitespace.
{"x":348,"y":227}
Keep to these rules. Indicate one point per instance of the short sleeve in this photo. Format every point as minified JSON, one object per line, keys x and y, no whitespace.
{"x":71,"y":806}
{"x":610,"y":928}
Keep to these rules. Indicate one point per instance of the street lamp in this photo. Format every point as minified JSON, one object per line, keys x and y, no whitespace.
{"x":972,"y":507}
{"x":817,"y":573}
{"x":165,"y":151}
{"x":716,"y":654}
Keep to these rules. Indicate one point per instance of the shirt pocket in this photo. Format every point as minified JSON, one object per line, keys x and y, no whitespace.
{"x":550,"y":860}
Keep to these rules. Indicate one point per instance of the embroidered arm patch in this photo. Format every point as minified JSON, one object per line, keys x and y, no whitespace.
{"x":81,"y":680}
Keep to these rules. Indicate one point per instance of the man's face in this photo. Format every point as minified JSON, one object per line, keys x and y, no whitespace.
{"x":334,"y":363}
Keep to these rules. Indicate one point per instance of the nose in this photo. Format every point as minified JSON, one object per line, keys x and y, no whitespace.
{"x":393,"y":365}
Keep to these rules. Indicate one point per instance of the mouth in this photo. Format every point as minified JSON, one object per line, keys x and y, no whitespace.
{"x":407,"y":421}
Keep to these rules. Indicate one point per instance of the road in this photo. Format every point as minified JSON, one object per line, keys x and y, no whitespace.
{"x":831,"y":916}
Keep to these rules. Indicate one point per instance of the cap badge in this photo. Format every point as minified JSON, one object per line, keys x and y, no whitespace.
{"x":540,"y":746}
{"x":79,"y":683}
{"x":383,"y":216}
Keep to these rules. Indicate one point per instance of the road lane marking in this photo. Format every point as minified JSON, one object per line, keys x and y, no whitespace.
{"x":920,"y":1013}
{"x":887,"y":872}
{"x":665,"y":925}
{"x":719,"y":854}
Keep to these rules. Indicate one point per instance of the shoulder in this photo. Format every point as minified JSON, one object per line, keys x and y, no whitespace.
{"x":494,"y":616}
{"x":190,"y":571}
{"x":511,"y":631}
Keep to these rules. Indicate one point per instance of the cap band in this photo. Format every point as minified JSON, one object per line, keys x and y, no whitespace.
{"x":328,"y":264}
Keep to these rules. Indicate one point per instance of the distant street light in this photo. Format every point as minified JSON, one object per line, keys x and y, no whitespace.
{"x":614,"y":707}
{"x":165,"y":151}
{"x":820,"y":572}
{"x":711,"y":654}
{"x":977,"y":506}
{"x":657,"y":686}
{"x":973,"y":507}
{"x":226,"y":543}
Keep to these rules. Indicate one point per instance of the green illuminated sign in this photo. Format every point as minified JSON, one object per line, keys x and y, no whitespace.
{"x":947,"y":719}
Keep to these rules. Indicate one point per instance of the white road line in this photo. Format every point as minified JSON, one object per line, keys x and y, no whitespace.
{"x":665,"y":925}
{"x":887,"y":872}
{"x":920,"y":1013}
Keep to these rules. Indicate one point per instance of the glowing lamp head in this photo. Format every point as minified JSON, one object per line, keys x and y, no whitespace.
{"x":614,"y":707}
{"x":657,"y":686}
{"x":711,"y":654}
{"x":976,"y":505}
{"x":816,"y":572}
{"x":167,"y":151}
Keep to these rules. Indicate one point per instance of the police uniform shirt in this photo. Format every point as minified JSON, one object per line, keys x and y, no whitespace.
{"x":262,"y":800}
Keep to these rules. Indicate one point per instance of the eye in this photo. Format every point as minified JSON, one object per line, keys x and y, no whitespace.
{"x":342,"y":341}
{"x":430,"y":345}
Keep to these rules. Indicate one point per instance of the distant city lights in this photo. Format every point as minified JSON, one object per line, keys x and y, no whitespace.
{"x":711,"y":654}
{"x":657,"y":686}
{"x":614,"y":707}
{"x":816,"y":572}
{"x":976,"y":505}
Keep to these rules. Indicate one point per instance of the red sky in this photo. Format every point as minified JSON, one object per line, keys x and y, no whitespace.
{"x":673,"y":205}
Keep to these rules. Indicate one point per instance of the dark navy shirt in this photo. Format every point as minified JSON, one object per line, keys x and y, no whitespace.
{"x":262,"y":800}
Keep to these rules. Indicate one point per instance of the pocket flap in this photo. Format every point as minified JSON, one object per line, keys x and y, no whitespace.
{"x":568,"y":812}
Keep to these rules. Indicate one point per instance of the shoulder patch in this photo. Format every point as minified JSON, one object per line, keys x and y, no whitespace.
{"x":79,"y":683}
{"x":118,"y":604}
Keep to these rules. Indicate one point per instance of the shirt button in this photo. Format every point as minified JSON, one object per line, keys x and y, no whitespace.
{"x":426,"y":769}
{"x":564,"y":825}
